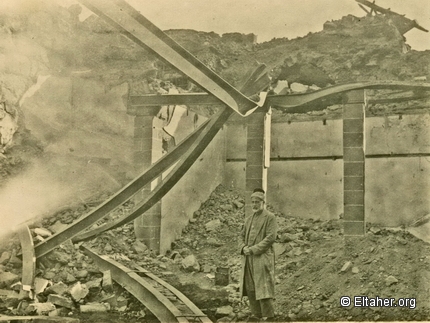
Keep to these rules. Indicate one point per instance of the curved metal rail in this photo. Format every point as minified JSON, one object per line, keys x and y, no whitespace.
{"x":141,"y":31}
{"x":216,"y":122}
{"x":162,"y":299}
{"x":120,"y":197}
{"x":28,"y":262}
{"x":290,"y":103}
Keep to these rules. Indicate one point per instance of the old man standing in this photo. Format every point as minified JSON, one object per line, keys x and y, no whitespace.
{"x":258,"y":263}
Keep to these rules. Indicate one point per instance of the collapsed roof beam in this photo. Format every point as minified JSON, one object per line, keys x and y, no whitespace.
{"x":402,"y":23}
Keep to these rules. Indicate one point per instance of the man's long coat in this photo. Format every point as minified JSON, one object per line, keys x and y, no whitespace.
{"x":262,"y":253}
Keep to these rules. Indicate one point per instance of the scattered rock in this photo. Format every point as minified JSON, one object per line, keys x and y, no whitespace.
{"x":346,"y":266}
{"x":94,"y":308}
{"x":41,"y":308}
{"x":122,"y":301}
{"x":60,"y":257}
{"x":224,"y":311}
{"x":213,"y":225}
{"x":79,"y":291}
{"x":58,"y":227}
{"x":61,"y":301}
{"x":95,"y":285}
{"x":40,"y":285}
{"x":4,"y":259}
{"x":214,"y":242}
{"x":207,"y":268}
{"x":81,"y":273}
{"x":390,"y":280}
{"x":355,"y":270}
{"x":45,"y":233}
{"x":70,"y":278}
{"x":7,"y":279}
{"x":287,"y":237}
{"x":59,"y":288}
{"x":107,"y":282}
{"x":108,"y":248}
{"x":238,"y":204}
{"x":139,"y":247}
{"x":190,"y":263}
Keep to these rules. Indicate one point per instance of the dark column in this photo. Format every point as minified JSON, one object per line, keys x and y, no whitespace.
{"x":353,"y":164}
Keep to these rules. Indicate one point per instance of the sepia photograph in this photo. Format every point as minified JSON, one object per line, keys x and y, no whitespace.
{"x":214,"y":161}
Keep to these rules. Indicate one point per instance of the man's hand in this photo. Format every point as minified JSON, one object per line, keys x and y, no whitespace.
{"x":246,"y":251}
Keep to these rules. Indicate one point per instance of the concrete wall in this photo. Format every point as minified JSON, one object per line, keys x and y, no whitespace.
{"x":397,"y":188}
{"x":193,"y":188}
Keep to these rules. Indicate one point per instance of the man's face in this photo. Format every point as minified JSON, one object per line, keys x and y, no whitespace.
{"x":256,"y":204}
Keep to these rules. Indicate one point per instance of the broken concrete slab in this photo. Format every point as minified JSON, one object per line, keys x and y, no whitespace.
{"x":41,"y":308}
{"x":59,"y":288}
{"x":40,"y":285}
{"x":79,"y":291}
{"x":61,"y":301}
{"x":94,"y":308}
{"x":7,"y":279}
{"x":94,"y":285}
{"x":190,"y":263}
{"x":45,"y":233}
{"x":107,"y":283}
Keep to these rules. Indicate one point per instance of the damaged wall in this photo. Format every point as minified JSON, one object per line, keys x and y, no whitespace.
{"x":194,"y":188}
{"x":397,"y":189}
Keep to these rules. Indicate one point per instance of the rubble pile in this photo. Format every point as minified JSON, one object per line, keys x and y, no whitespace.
{"x":314,"y":267}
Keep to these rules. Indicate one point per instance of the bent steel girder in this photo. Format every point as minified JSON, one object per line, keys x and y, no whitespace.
{"x":290,"y":103}
{"x":216,"y":122}
{"x":256,"y":80}
{"x":121,"y":196}
{"x":141,"y":31}
{"x":28,"y":261}
{"x":144,"y":292}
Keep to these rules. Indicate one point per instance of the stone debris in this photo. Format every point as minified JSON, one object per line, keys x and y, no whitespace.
{"x":7,"y":279}
{"x":94,"y":308}
{"x":4,"y":259}
{"x":58,"y":288}
{"x":61,"y":301}
{"x":390,"y":280}
{"x":224,"y":311}
{"x":40,"y":285}
{"x":45,"y":233}
{"x":346,"y":266}
{"x":139,"y":247}
{"x":213,"y":225}
{"x":190,"y":263}
{"x":79,"y":291}
{"x":355,"y":270}
{"x":41,"y":308}
{"x":107,"y":283}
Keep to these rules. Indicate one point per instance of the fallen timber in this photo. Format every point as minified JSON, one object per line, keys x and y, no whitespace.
{"x":159,"y":297}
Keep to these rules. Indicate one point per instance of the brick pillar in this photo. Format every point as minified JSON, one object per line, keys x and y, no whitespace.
{"x":257,"y":154}
{"x":353,"y":164}
{"x":147,"y":150}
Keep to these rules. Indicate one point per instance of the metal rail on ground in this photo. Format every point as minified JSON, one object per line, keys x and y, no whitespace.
{"x":159,"y":297}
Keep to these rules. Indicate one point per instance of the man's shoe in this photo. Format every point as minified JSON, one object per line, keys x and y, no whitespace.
{"x":253,"y":319}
